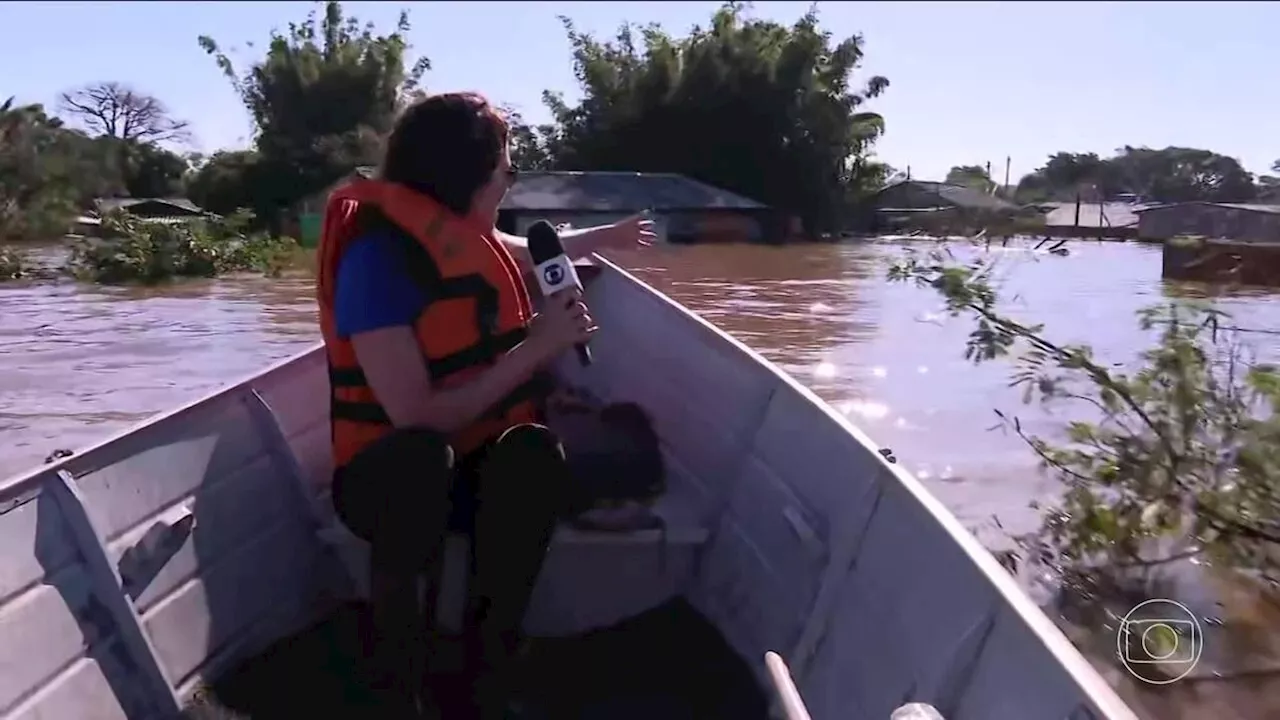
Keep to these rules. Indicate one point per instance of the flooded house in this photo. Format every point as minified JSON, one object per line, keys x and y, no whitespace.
{"x":1241,"y":222}
{"x":936,"y":206}
{"x":162,"y":210}
{"x":1216,"y":242}
{"x":1102,"y":220}
{"x":684,"y":210}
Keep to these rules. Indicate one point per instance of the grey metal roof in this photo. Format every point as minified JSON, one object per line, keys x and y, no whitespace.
{"x":618,"y":192}
{"x":584,"y":191}
{"x":108,"y":204}
{"x":1063,"y":214}
{"x":1249,"y":207}
{"x":1252,"y":207}
{"x":959,"y":195}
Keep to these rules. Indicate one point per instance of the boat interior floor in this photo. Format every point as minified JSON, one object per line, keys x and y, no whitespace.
{"x":668,"y":662}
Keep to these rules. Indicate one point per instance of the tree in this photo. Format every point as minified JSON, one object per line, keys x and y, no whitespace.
{"x":529,"y":145}
{"x":227,"y":181}
{"x":1270,"y":183}
{"x":1183,"y":174}
{"x":151,"y":171}
{"x":1170,"y":175}
{"x":1181,"y":458}
{"x":321,"y":99}
{"x":749,"y":105}
{"x":47,"y":173}
{"x":121,"y":112}
{"x":973,"y":176}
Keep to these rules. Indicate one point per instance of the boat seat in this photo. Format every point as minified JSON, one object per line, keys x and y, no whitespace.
{"x":590,"y":579}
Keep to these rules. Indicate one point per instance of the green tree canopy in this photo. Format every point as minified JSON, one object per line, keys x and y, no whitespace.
{"x":749,"y":105}
{"x":974,"y":176}
{"x":1173,"y":174}
{"x":321,"y":99}
{"x":48,"y":172}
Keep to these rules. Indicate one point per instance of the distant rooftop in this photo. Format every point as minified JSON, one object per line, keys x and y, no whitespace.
{"x":618,"y":192}
{"x":1249,"y":207}
{"x":608,"y":192}
{"x":1111,"y":214}
{"x":109,"y":204}
{"x":959,"y":195}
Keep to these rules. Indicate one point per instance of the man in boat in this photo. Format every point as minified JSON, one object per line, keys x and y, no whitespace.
{"x":436,"y":364}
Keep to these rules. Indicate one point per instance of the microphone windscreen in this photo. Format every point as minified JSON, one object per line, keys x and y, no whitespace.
{"x":544,"y":242}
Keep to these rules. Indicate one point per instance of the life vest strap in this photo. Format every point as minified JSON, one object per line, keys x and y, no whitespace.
{"x":474,"y":356}
{"x":532,"y":390}
{"x":358,"y":412}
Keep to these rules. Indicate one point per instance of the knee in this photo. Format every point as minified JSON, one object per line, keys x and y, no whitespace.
{"x":421,"y":447}
{"x":525,"y":459}
{"x":529,"y":444}
{"x":401,"y":458}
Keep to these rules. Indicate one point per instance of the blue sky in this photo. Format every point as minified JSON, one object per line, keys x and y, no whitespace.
{"x":971,"y":82}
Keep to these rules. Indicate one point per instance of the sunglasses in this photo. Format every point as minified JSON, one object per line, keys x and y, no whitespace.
{"x":512,"y":174}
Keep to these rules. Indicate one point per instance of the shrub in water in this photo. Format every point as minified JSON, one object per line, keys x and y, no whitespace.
{"x":149,"y":251}
{"x":12,"y":265}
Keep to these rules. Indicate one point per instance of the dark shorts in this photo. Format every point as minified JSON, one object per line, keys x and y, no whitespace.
{"x":402,"y":475}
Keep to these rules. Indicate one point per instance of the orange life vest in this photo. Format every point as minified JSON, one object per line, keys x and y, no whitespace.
{"x":478,"y":308}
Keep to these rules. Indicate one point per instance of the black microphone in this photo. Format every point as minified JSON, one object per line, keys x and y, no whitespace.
{"x":554,"y":269}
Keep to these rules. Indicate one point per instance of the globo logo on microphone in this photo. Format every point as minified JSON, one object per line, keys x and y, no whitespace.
{"x":553,"y":274}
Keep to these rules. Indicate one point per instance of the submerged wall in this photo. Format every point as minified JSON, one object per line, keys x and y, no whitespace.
{"x":1222,"y":261}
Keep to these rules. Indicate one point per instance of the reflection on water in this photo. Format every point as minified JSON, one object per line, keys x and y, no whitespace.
{"x":77,"y":362}
{"x":892,"y":360}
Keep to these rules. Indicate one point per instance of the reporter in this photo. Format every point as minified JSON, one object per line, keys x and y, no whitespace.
{"x":434,"y":364}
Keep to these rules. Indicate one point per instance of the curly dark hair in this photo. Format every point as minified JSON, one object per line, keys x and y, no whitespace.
{"x":446,"y":146}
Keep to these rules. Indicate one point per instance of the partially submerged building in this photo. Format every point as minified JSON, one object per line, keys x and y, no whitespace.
{"x":922,"y":204}
{"x":1105,"y":220}
{"x":684,"y":210}
{"x":1216,"y":242}
{"x":161,"y":210}
{"x":1241,"y":222}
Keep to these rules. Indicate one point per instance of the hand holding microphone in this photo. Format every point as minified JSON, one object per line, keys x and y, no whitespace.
{"x":564,"y":320}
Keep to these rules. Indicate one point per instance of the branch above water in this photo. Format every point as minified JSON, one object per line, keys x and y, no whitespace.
{"x":1179,"y":452}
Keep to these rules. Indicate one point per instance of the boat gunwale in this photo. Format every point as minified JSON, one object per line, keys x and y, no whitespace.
{"x":17,"y":488}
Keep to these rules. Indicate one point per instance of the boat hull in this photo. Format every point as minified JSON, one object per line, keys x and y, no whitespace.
{"x":141,"y":567}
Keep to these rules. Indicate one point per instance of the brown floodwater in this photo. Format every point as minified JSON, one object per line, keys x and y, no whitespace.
{"x":78,"y":362}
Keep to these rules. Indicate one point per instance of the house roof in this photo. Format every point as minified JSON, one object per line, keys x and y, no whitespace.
{"x":1114,"y":214}
{"x":959,"y":195}
{"x":618,"y":192}
{"x":1248,"y":207}
{"x":180,"y":204}
{"x":582,"y":191}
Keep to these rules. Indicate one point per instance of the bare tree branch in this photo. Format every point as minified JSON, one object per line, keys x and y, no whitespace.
{"x":117,"y":110}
